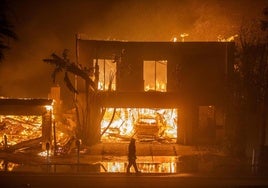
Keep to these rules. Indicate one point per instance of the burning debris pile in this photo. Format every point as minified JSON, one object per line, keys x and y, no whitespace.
{"x":65,"y":132}
{"x":19,"y":128}
{"x":22,"y":131}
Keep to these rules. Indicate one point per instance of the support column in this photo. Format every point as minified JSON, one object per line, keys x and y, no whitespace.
{"x":187,"y":124}
{"x":46,"y":128}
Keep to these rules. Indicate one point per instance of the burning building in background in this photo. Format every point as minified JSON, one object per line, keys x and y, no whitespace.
{"x":157,"y":91}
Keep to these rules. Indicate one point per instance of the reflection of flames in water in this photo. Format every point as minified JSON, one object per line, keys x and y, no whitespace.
{"x":139,"y":122}
{"x":20,"y":128}
{"x":7,"y":166}
{"x":164,"y":167}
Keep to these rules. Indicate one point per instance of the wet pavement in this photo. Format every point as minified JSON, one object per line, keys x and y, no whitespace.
{"x":112,"y":158}
{"x":104,"y":165}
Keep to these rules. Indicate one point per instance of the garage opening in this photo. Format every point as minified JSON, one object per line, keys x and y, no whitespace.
{"x":144,"y":124}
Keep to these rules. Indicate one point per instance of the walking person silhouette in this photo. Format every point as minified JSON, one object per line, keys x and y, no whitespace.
{"x":132,"y":156}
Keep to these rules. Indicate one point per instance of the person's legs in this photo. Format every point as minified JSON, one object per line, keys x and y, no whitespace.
{"x":129,"y":166}
{"x":135,"y":166}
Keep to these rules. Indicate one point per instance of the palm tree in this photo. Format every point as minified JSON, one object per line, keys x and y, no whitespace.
{"x":87,"y":110}
{"x":6,"y":28}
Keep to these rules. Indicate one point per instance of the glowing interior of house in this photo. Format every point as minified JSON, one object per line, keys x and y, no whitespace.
{"x":155,"y":75}
{"x":142,"y":123}
{"x":156,"y":91}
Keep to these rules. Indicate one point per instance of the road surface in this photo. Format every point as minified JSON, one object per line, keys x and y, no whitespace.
{"x":43,"y":180}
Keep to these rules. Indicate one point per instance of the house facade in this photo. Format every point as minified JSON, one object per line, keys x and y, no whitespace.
{"x":159,"y":91}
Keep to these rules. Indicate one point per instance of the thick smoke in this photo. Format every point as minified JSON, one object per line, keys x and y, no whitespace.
{"x":48,"y":26}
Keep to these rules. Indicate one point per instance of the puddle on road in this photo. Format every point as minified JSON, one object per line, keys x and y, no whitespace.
{"x":112,"y":167}
{"x":167,"y":167}
{"x":157,"y":164}
{"x":146,"y":164}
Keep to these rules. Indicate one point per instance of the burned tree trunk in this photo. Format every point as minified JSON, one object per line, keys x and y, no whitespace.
{"x":94,"y":116}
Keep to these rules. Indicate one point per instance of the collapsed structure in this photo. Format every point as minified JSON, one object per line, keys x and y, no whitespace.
{"x":25,"y":121}
{"x":164,"y":91}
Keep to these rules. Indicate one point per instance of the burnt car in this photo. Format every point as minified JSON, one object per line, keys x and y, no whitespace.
{"x":147,"y":128}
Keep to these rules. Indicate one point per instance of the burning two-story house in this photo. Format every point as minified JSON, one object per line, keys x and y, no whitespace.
{"x":172,"y":92}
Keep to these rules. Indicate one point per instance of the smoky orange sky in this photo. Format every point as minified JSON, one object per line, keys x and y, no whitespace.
{"x":46,"y":26}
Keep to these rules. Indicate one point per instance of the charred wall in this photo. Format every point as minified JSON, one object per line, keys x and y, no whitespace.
{"x":198,"y":71}
{"x":10,"y":106}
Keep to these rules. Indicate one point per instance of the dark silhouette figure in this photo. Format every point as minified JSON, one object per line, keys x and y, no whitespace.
{"x":5,"y":142}
{"x":132,"y":156}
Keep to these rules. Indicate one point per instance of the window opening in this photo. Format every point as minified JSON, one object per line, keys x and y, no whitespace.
{"x":155,"y":75}
{"x":107,"y":74}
